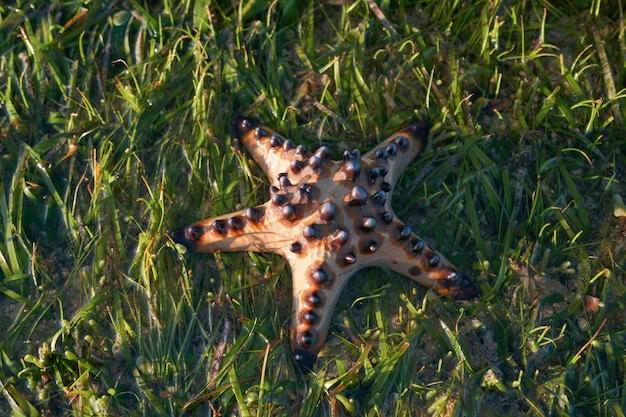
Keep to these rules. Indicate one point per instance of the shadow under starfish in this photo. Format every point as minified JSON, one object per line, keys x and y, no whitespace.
{"x":328,"y":219}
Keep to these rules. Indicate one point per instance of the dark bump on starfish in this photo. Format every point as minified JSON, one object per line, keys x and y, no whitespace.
{"x":279,"y":199}
{"x":420,"y":130}
{"x":327,"y":211}
{"x":417,"y":245}
{"x":301,"y":151}
{"x":383,"y":170}
{"x":373,"y":174}
{"x":433,"y":260}
{"x":308,"y":317}
{"x":309,"y":232}
{"x":453,"y":279}
{"x":236,"y":223}
{"x":387,"y":216}
{"x":380,"y":197}
{"x":402,"y":142}
{"x":322,"y":152}
{"x":306,"y":338}
{"x":303,"y":194}
{"x":283,"y":180}
{"x":219,"y":227}
{"x":338,"y":237}
{"x":314,"y":299}
{"x":288,"y":145}
{"x":371,"y":246}
{"x":254,"y":214}
{"x":465,"y":290}
{"x":415,"y":271}
{"x":259,"y":133}
{"x":275,"y":141}
{"x":404,"y":232}
{"x":320,"y":277}
{"x":381,"y":153}
{"x":385,"y":186}
{"x":187,"y":236}
{"x":289,"y":212}
{"x":368,"y":224}
{"x":244,"y":125}
{"x":304,"y":360}
{"x":357,"y":196}
{"x":295,"y":247}
{"x":351,"y":156}
{"x":305,"y":189}
{"x":296,"y":166}
{"x":391,"y":149}
{"x":315,"y":162}
{"x":351,"y":170}
{"x":350,"y":258}
{"x":192,"y":233}
{"x":464,"y":281}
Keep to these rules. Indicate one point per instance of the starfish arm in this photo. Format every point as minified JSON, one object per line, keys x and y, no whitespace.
{"x":317,"y":286}
{"x":413,"y":258}
{"x":383,"y":240}
{"x":278,"y":156}
{"x":397,"y":151}
{"x":254,"y":229}
{"x":266,"y":148}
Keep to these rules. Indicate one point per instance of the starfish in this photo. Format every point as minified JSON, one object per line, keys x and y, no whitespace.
{"x":328,"y":219}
